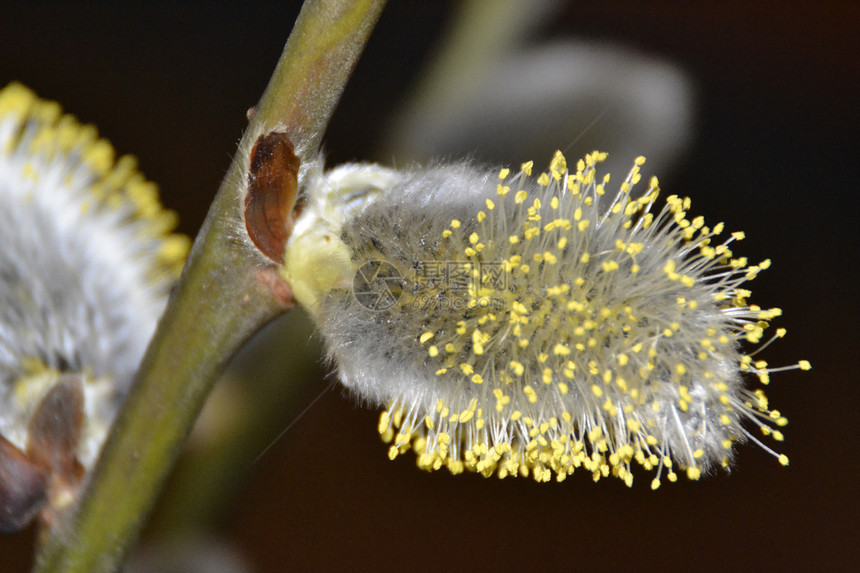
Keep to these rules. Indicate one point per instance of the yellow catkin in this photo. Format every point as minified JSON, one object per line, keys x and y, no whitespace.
{"x":593,"y":333}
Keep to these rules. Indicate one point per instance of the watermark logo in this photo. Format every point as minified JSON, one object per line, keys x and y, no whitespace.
{"x":429,"y":285}
{"x":459,"y":276}
{"x":377,"y":285}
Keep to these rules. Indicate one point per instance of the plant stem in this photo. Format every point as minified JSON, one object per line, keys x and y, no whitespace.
{"x":224,"y":296}
{"x":244,"y":416}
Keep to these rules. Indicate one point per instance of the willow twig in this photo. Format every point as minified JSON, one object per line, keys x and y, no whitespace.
{"x":224,"y":296}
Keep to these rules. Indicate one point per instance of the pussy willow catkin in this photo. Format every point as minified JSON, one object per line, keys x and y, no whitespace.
{"x":86,"y":261}
{"x":522,"y":324}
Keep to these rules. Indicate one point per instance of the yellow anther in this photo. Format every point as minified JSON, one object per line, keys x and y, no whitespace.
{"x":547,"y":376}
{"x":517,"y":367}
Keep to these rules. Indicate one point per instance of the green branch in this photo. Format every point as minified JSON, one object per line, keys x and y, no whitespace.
{"x":224,"y":296}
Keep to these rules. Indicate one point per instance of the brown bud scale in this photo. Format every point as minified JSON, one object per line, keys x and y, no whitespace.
{"x":272,"y":188}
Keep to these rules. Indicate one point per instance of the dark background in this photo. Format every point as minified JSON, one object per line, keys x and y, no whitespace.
{"x":775,"y":154}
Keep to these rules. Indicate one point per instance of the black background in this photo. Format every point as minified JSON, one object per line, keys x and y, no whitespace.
{"x":775,"y":154}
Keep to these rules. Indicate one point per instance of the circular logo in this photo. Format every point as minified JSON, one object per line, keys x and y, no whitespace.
{"x":377,"y":285}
